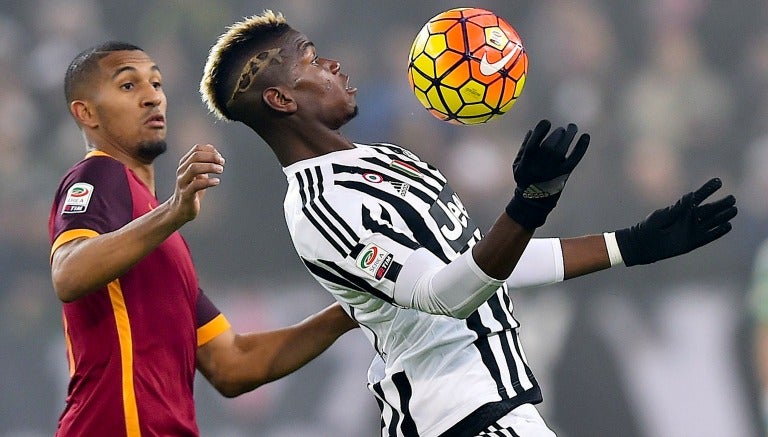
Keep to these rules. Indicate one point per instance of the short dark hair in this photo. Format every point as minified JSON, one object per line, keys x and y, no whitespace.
{"x":81,"y":69}
{"x":226,"y":58}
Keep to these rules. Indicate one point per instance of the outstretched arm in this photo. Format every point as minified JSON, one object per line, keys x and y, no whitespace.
{"x":238,"y":363}
{"x":665,"y":233}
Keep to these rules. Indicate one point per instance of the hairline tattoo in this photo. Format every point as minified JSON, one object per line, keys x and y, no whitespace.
{"x":253,"y":68}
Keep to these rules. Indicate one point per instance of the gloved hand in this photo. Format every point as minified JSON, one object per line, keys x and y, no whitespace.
{"x":541,"y":169}
{"x":678,"y":229}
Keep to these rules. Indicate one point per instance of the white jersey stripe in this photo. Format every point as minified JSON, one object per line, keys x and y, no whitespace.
{"x":318,"y":222}
{"x":350,"y":233}
{"x":311,"y":185}
{"x":521,"y":354}
{"x":522,"y":369}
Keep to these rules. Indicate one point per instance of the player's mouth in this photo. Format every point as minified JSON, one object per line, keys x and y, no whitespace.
{"x":155,"y":121}
{"x":349,"y":89}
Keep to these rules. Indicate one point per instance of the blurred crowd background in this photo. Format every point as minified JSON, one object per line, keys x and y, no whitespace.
{"x":673,"y":92}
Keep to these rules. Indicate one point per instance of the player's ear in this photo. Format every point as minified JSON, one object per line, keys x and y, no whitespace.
{"x":279,"y":100}
{"x":83,"y":113}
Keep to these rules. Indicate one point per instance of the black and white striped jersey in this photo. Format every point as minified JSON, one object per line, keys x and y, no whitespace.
{"x":355,"y":216}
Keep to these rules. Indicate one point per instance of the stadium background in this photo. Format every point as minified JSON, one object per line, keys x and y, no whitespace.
{"x":673,"y":92}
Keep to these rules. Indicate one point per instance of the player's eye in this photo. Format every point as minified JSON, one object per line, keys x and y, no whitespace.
{"x":157,"y":85}
{"x":316,"y":60}
{"x":127,"y":86}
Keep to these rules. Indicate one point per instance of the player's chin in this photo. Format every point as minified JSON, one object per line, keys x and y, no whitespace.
{"x":351,"y":113}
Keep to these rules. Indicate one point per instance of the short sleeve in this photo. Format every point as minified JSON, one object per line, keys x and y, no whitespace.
{"x":94,"y":196}
{"x":210,"y":321}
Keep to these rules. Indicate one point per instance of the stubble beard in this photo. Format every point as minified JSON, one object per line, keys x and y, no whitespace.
{"x":149,"y":150}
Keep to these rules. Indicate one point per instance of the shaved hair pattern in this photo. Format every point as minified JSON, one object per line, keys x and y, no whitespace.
{"x":253,"y":68}
{"x":232,"y":49}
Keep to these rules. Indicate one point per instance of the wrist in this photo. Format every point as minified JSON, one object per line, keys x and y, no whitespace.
{"x":630,"y":246}
{"x":530,"y":214}
{"x":170,"y":216}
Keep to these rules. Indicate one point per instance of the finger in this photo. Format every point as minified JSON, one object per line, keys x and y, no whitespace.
{"x":202,"y":152}
{"x":201,"y":183}
{"x":688,"y":201}
{"x":715,"y":233}
{"x":710,"y":209}
{"x":184,"y":158}
{"x":565,"y":142}
{"x":539,"y":132}
{"x":195,"y":169}
{"x":553,"y":140}
{"x":201,"y":168}
{"x":520,"y":152}
{"x":720,"y":218}
{"x":198,"y":157}
{"x":532,"y":140}
{"x":577,"y":153}
{"x":206,"y":154}
{"x":203,"y":156}
{"x":706,"y":190}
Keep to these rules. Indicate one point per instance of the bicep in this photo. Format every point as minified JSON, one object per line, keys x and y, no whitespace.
{"x":213,"y":355}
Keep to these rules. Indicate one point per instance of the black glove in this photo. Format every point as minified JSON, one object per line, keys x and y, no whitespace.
{"x":541,"y":169}
{"x":678,"y":229}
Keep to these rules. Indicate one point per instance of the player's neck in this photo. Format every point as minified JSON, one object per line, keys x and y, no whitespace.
{"x":298,"y":148}
{"x":144,"y":171}
{"x":146,"y":174}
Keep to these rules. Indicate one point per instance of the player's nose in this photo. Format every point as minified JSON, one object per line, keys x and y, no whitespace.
{"x":333,"y":65}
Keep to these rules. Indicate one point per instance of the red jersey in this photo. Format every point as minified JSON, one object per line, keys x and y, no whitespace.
{"x":131,"y":345}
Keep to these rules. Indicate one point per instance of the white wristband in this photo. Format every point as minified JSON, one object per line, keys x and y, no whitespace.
{"x":614,"y":254}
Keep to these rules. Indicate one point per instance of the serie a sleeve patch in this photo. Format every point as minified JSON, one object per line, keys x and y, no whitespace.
{"x":374,"y":261}
{"x":78,"y":197}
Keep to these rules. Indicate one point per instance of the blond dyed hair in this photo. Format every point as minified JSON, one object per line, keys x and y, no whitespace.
{"x":242,"y":32}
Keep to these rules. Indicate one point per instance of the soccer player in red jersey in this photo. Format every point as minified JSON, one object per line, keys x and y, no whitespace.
{"x":136,"y":322}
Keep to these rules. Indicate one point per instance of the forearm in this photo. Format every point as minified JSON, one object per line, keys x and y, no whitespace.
{"x":291,"y":348}
{"x":583,"y":255}
{"x":84,"y":265}
{"x":262,"y":357}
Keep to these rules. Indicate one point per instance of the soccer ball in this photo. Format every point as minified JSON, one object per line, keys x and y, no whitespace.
{"x":467,"y":66}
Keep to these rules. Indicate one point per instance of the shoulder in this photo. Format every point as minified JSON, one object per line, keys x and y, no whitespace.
{"x":395,"y":149}
{"x":100,"y":169}
{"x":94,"y":176}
